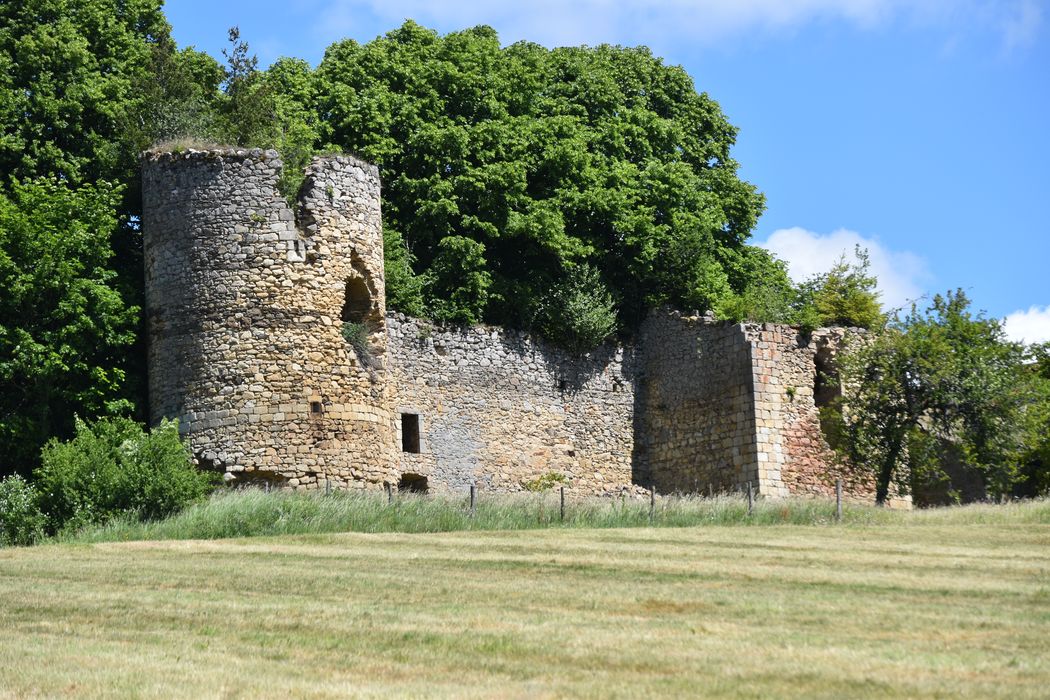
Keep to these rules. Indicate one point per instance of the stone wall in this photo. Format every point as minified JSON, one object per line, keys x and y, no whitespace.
{"x":244,"y":298}
{"x":500,"y":408}
{"x":794,"y":374}
{"x":270,"y":342}
{"x":695,"y":409}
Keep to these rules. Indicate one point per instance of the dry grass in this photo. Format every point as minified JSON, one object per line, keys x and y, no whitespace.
{"x":920,"y":609}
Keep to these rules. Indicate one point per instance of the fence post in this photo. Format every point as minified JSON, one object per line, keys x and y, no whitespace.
{"x":563,"y":504}
{"x":389,"y":492}
{"x":327,"y":487}
{"x":750,"y":499}
{"x":473,"y":500}
{"x":838,"y":500}
{"x":652,"y":504}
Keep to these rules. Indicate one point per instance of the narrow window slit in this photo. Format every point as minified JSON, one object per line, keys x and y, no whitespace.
{"x":410,"y":433}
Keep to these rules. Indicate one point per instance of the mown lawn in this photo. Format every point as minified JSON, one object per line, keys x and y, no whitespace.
{"x":921,"y":608}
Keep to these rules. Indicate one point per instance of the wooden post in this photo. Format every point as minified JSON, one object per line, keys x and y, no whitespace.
{"x":838,"y":500}
{"x":389,"y":492}
{"x":710,"y":490}
{"x":473,"y":500}
{"x":652,"y":504}
{"x":327,"y":487}
{"x":750,"y":499}
{"x":563,"y":504}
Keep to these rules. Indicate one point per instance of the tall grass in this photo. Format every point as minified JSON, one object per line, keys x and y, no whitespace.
{"x":252,"y":512}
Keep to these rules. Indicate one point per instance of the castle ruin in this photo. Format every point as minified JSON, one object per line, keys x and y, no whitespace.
{"x":247,"y":301}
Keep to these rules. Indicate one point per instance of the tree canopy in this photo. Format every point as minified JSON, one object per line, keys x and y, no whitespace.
{"x":65,"y":328}
{"x":552,"y":161}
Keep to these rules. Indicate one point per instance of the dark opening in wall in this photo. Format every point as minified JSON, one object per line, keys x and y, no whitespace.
{"x":410,"y":433}
{"x":413,"y":483}
{"x":316,"y":408}
{"x":827,"y":396}
{"x":357,"y":302}
{"x":826,"y":386}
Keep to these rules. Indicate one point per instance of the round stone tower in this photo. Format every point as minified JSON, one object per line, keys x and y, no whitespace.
{"x":267,"y":335}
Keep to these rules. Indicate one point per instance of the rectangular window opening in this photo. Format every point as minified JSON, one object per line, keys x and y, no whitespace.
{"x":410,"y":432}
{"x":316,"y":408}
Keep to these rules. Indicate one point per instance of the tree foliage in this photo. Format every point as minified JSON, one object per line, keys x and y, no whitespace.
{"x":85,"y":85}
{"x":579,"y":312}
{"x":69,"y":70}
{"x":113,"y":467}
{"x":936,"y":377}
{"x":845,"y":295}
{"x":64,"y":326}
{"x":551,"y":161}
{"x":1035,"y":462}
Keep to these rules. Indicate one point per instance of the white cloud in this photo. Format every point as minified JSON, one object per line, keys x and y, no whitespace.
{"x":1021,"y":24}
{"x":659,"y":22}
{"x":901,"y":274}
{"x":1032,"y":326}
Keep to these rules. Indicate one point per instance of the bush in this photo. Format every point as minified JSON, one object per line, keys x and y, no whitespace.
{"x":580,"y":313}
{"x":21,"y":522}
{"x":112,"y":467}
{"x":846,"y":295}
{"x":545,"y":482}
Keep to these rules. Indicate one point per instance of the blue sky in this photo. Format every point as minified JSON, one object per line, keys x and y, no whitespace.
{"x":917,"y":128}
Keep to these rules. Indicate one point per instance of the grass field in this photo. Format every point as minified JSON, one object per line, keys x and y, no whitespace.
{"x":936,"y":605}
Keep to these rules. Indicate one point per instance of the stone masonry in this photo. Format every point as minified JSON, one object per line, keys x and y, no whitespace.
{"x":248,"y":299}
{"x":244,"y":299}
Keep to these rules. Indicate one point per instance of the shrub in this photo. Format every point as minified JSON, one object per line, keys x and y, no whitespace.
{"x":112,"y":467}
{"x":357,"y":334}
{"x":580,"y":313}
{"x":21,"y":522}
{"x":545,"y":482}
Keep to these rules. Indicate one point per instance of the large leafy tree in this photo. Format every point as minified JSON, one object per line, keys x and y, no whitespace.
{"x":553,"y":161}
{"x":64,"y":326}
{"x":80,"y":84}
{"x":84,"y":86}
{"x":1035,"y":467}
{"x":936,"y":379}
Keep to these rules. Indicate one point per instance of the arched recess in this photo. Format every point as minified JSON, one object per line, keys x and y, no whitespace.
{"x":357,"y":302}
{"x":359,"y":298}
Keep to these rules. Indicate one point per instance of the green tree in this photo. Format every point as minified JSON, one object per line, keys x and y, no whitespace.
{"x":85,"y":85}
{"x":846,"y":295}
{"x":767,"y":292}
{"x":1035,"y":467}
{"x":458,"y":281}
{"x":599,"y":159}
{"x":112,"y":467}
{"x":64,"y":326}
{"x":69,"y":70}
{"x":935,"y":377}
{"x":248,"y":115}
{"x":579,"y":313}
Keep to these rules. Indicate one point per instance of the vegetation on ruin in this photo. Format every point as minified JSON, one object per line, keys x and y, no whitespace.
{"x":947,"y":603}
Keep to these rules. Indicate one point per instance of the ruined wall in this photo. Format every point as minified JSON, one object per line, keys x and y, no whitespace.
{"x":249,"y":302}
{"x":795,"y":374}
{"x":500,"y":408}
{"x":245,"y":300}
{"x":696,"y":413}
